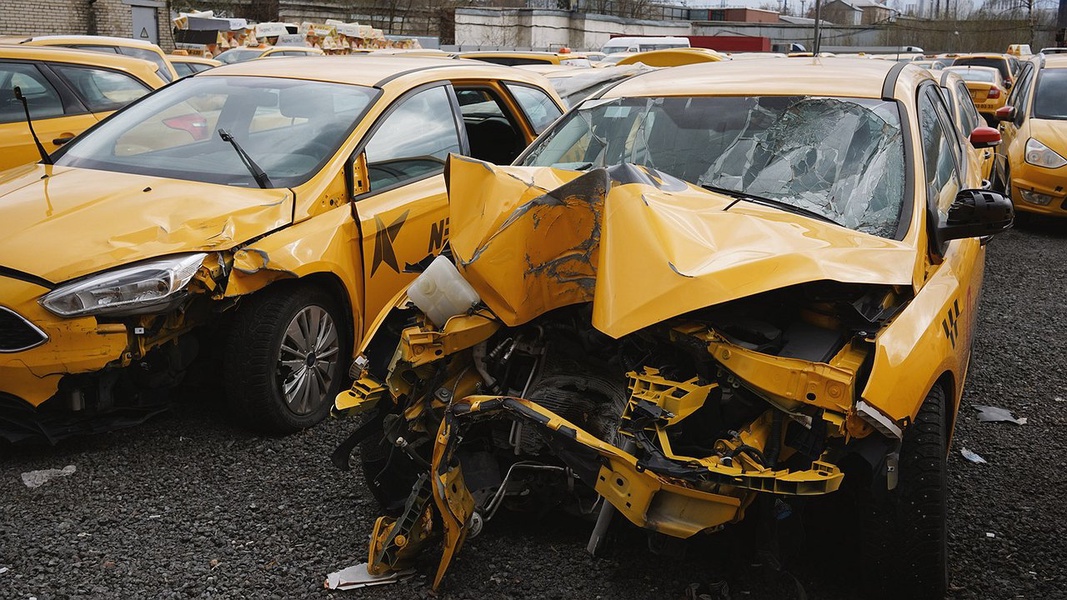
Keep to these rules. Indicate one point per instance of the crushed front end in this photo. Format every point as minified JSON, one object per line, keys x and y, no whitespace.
{"x":538,"y":394}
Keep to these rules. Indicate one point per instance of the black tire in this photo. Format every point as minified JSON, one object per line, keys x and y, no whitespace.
{"x":908,"y":532}
{"x":266,"y":383}
{"x":388,"y":471}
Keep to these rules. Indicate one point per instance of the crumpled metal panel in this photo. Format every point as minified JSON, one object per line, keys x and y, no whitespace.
{"x":526,"y":239}
{"x":130,"y":217}
{"x":530,"y":239}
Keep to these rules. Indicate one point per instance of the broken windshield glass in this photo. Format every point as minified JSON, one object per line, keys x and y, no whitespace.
{"x":842,"y":158}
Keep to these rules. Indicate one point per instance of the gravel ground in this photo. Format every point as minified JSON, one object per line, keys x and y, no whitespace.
{"x":189,"y":505}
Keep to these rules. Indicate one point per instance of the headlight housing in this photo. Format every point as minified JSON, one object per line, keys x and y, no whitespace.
{"x":1040,"y":155}
{"x":145,"y":287}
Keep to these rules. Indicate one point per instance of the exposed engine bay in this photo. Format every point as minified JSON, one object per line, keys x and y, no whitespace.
{"x":678,"y":426}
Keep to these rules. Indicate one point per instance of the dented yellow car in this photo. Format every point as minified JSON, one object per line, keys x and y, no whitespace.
{"x":703,"y":294}
{"x":251,"y":214}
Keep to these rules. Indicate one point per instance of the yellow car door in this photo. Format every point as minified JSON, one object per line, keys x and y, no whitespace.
{"x":404,"y":214}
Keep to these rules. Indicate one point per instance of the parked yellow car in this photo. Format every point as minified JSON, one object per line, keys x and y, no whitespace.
{"x":1032,"y":168}
{"x":66,"y":91}
{"x":242,"y":54}
{"x":987,"y":88}
{"x":968,"y":121}
{"x":1007,"y":65}
{"x":516,"y":58}
{"x":745,"y":287}
{"x":110,"y":45}
{"x":277,"y":203}
{"x":673,"y":57}
{"x":188,"y":65}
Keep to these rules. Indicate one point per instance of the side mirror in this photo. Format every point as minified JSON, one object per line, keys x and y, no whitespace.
{"x":976,"y":213}
{"x":1005,"y":113}
{"x":985,"y":137}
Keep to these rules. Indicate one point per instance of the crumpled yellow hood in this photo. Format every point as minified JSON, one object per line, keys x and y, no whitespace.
{"x":643,"y":248}
{"x":79,"y":221}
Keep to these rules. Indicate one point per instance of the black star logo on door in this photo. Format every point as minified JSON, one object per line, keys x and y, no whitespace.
{"x":383,"y":242}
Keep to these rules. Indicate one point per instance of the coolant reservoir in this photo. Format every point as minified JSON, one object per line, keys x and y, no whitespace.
{"x":441,"y":292}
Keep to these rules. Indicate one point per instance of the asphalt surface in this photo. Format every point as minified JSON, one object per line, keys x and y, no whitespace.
{"x":190,"y":505}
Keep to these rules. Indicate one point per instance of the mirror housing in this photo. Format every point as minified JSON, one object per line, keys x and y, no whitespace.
{"x":985,"y":137}
{"x":1005,"y":113}
{"x":976,"y":213}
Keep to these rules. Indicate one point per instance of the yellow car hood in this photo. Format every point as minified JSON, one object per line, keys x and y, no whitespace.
{"x":641,"y":247}
{"x":1050,"y":132}
{"x":79,"y":221}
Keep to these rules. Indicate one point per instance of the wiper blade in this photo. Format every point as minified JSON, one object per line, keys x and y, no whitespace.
{"x":771,"y":202}
{"x":257,"y":173}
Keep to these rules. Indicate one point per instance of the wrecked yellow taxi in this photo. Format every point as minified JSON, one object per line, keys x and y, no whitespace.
{"x":703,"y":294}
{"x":250,"y":215}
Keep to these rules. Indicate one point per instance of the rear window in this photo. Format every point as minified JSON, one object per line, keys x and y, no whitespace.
{"x":997,"y":63}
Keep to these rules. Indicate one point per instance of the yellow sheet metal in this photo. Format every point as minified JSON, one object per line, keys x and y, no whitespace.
{"x":530,"y":239}
{"x":143,"y":216}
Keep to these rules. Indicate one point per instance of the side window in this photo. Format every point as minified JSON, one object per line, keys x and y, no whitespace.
{"x":161,"y":64}
{"x":1020,"y":95}
{"x":941,"y":152}
{"x":413,"y":140}
{"x":968,"y":113}
{"x":100,"y":89}
{"x":491,"y":129}
{"x":540,"y":110}
{"x":43,"y":100}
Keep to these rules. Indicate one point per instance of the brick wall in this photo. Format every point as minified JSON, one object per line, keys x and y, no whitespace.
{"x":42,"y":17}
{"x":76,"y":17}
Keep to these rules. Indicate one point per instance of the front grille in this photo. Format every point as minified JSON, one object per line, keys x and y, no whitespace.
{"x":17,"y":333}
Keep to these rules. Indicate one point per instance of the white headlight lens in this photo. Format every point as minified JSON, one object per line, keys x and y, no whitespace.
{"x":1041,"y":155}
{"x":127,"y":290}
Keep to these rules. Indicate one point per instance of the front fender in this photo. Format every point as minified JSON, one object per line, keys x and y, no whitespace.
{"x":931,"y":336}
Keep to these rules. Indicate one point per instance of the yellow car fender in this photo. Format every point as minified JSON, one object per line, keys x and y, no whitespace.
{"x":931,"y":336}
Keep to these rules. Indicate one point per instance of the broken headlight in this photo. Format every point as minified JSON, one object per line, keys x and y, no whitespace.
{"x":136,"y":289}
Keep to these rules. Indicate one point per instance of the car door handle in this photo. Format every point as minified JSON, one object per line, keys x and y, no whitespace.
{"x":66,"y":137}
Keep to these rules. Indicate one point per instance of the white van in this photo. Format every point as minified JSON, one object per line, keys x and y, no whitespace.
{"x":643,"y":44}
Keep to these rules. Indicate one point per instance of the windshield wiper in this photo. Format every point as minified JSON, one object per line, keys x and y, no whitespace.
{"x":771,"y":202}
{"x":257,"y":173}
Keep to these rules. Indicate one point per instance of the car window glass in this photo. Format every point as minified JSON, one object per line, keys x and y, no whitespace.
{"x":540,"y":110}
{"x":939,"y":153}
{"x":492,"y":134}
{"x":1021,"y":100}
{"x":413,"y":140}
{"x":162,"y":68}
{"x":99,"y":89}
{"x":969,"y":117}
{"x":841,"y":158}
{"x":1050,"y":96}
{"x":289,"y":128}
{"x":183,"y":69}
{"x":43,"y":100}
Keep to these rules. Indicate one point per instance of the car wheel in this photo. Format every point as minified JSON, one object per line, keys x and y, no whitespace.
{"x":907,"y":534}
{"x":286,"y":358}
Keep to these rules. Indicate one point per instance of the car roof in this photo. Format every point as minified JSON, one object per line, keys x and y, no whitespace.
{"x":91,"y":40}
{"x":1055,"y":61}
{"x":375,"y":71}
{"x":982,"y":55}
{"x":846,"y":77}
{"x":200,"y":60}
{"x":145,"y":70}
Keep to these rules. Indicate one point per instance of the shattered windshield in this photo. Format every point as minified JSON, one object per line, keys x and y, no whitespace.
{"x":842,"y":158}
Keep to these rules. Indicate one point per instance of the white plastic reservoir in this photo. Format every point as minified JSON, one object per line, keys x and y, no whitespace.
{"x":441,"y":292}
